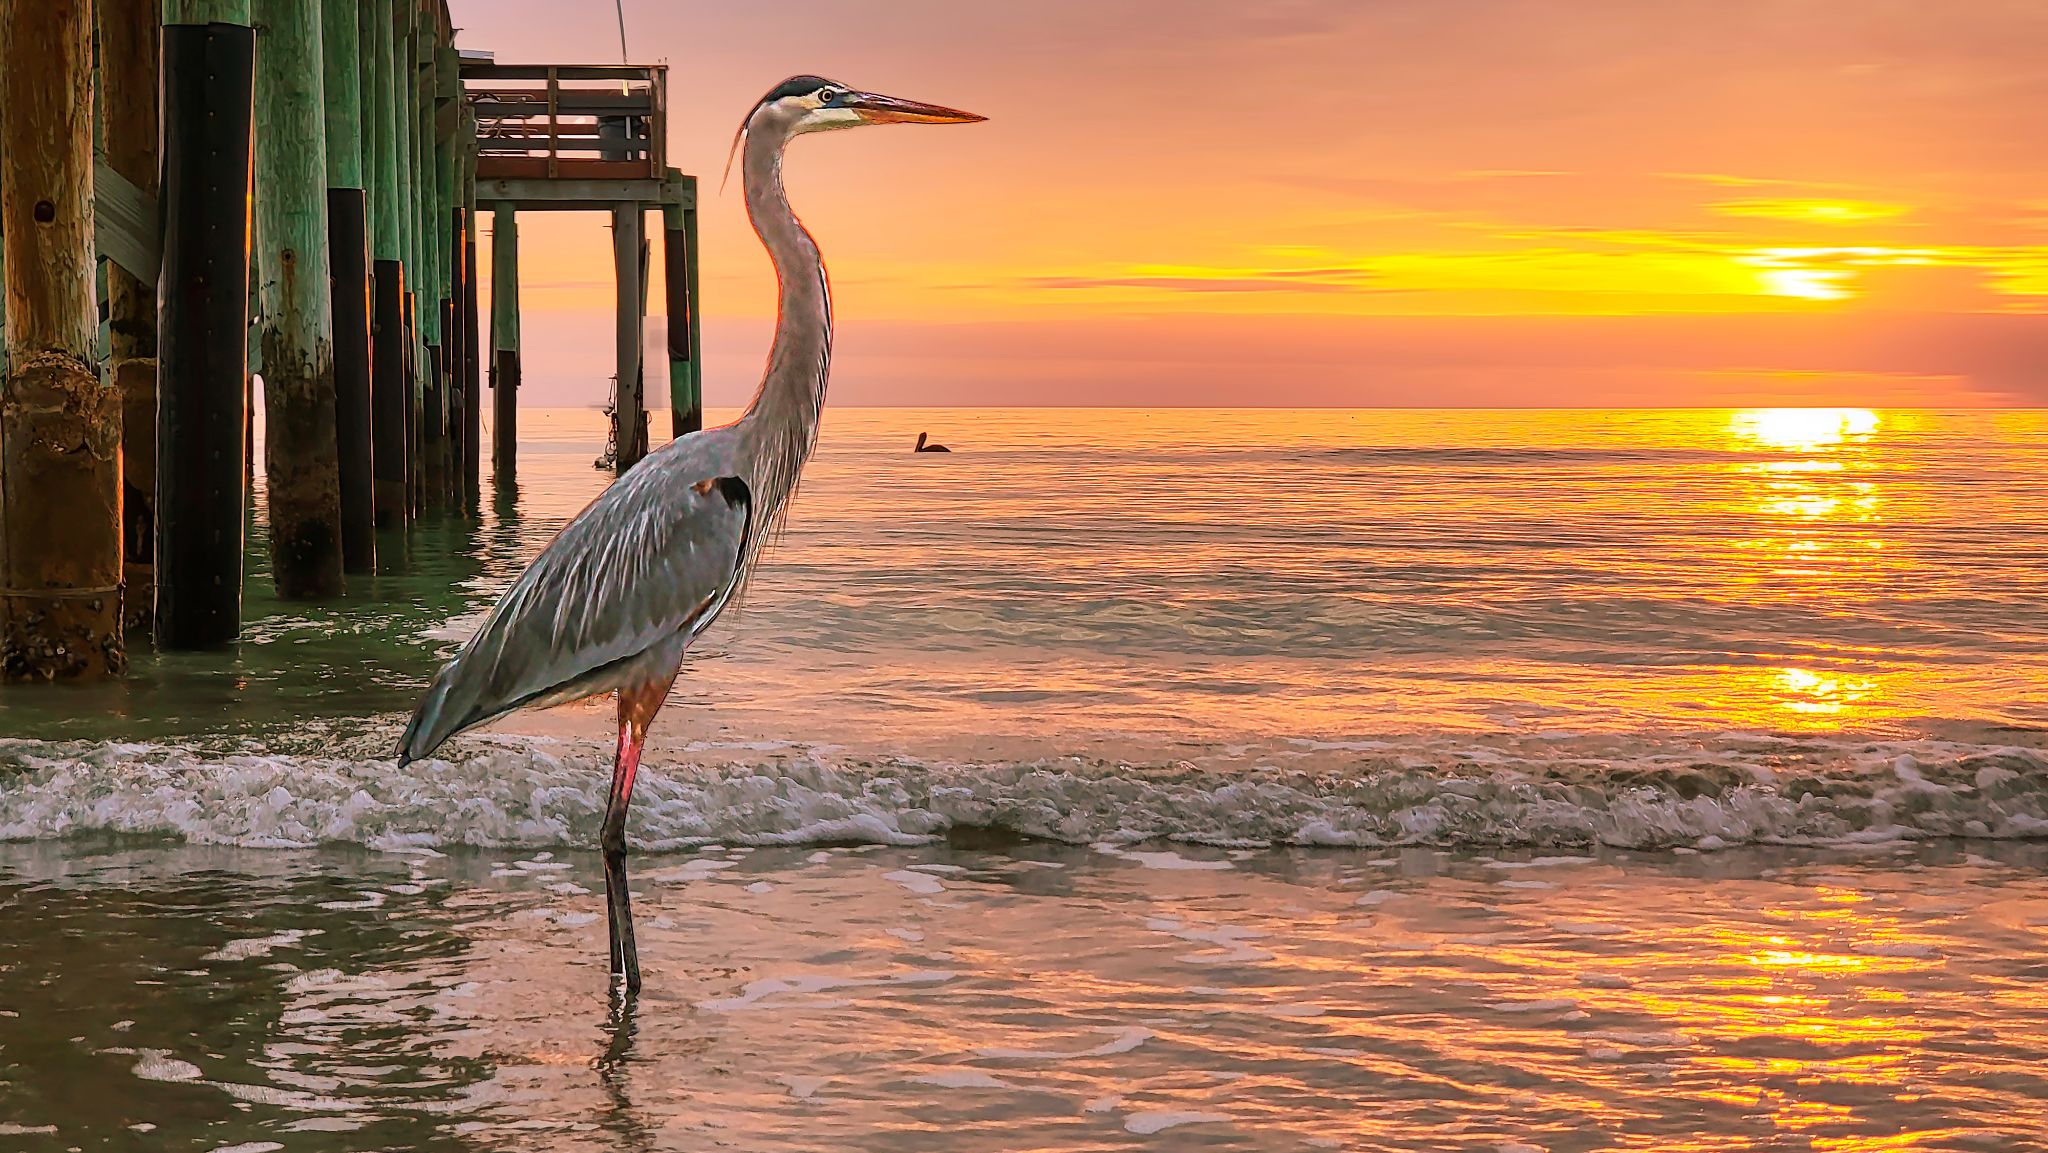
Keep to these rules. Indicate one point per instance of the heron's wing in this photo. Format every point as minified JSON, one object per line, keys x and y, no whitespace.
{"x":655,"y":555}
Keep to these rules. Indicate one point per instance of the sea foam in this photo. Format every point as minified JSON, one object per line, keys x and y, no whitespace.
{"x":1746,"y":789}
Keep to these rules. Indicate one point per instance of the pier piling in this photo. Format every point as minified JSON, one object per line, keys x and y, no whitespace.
{"x":60,"y":442}
{"x":472,"y":371}
{"x":628,"y":262}
{"x":388,"y":385}
{"x":504,"y":343}
{"x":686,"y":406}
{"x":405,"y":132}
{"x":430,"y":286}
{"x":300,"y":450}
{"x":323,"y":167}
{"x":129,"y":34}
{"x":349,"y":266}
{"x":209,"y":54}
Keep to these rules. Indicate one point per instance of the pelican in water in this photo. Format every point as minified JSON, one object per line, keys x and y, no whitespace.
{"x":614,"y":601}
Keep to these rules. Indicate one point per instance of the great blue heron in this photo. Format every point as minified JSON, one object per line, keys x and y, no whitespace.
{"x":615,"y":599}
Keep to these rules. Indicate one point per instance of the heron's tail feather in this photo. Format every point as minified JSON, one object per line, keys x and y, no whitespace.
{"x":434,"y":721}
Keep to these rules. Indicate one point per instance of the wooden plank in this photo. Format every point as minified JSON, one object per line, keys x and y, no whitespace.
{"x":558,"y":168}
{"x":656,"y":128}
{"x":124,"y":220}
{"x":554,"y":116}
{"x":568,"y":102}
{"x":582,"y":195}
{"x":485,"y":70}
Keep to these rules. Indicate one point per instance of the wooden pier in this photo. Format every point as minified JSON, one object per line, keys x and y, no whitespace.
{"x":555,"y":138}
{"x":293,"y":189}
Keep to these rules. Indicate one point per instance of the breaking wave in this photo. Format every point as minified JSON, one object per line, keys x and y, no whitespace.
{"x":1697,"y":793}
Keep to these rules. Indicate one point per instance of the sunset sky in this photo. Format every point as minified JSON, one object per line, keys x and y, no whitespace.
{"x":1356,"y":202}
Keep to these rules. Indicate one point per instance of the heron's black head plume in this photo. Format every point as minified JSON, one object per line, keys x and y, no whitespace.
{"x":794,"y":86}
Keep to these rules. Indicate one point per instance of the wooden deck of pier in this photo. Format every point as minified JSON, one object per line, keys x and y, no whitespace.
{"x":288,"y":189}
{"x":554,"y":138}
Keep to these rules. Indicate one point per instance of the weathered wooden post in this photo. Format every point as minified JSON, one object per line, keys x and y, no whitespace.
{"x":432,"y":284}
{"x":454,"y":223}
{"x":60,"y":442}
{"x":696,"y":310}
{"x":129,"y":33}
{"x":413,"y":353}
{"x":627,"y":420}
{"x":300,"y":449}
{"x":686,"y":408}
{"x":458,"y":369}
{"x":405,"y":127}
{"x":388,"y":387}
{"x":202,"y":423}
{"x":504,"y":343}
{"x":472,"y":369}
{"x":348,"y":249}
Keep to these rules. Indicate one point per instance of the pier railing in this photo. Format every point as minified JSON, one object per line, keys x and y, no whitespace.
{"x":567,"y":122}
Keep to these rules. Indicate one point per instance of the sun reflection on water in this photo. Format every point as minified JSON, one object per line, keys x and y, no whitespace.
{"x":1804,"y":429}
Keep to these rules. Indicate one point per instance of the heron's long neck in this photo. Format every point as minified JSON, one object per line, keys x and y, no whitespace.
{"x":782,"y":422}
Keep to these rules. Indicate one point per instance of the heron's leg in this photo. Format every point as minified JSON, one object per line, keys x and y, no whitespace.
{"x":637,"y":707}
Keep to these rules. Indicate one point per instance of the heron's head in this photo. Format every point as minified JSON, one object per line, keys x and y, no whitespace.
{"x":815,"y":104}
{"x":803,"y":104}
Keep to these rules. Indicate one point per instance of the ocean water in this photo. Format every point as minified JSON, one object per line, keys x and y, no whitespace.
{"x":1639,"y":629}
{"x":1482,"y":781}
{"x":1039,"y":996}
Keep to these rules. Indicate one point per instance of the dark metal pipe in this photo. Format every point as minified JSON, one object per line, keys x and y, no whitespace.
{"x":348,"y":250}
{"x":209,"y":76}
{"x":388,"y":396}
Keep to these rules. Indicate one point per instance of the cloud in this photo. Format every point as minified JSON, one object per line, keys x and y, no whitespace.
{"x":1805,"y":211}
{"x":1272,"y":280}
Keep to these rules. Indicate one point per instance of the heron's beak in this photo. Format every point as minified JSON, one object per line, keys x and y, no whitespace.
{"x":877,"y":109}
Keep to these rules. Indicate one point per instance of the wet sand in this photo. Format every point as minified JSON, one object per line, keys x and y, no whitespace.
{"x":1026,"y":996}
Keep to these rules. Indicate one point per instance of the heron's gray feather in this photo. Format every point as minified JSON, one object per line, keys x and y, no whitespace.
{"x":651,"y":561}
{"x":654,"y":557}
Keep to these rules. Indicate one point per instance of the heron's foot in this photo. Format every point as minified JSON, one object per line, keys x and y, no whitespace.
{"x":621,"y":1026}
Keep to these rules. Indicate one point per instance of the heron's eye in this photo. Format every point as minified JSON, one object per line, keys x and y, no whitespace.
{"x":827,"y":95}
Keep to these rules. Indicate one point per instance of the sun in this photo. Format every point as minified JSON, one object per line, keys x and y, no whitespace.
{"x":1802,"y":429}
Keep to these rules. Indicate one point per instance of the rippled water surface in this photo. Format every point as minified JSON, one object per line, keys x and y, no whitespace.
{"x":1315,"y":573}
{"x":1237,"y":780}
{"x":1034,"y":998}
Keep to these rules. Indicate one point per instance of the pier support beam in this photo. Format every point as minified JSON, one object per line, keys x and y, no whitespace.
{"x":445,"y":103}
{"x":504,"y":344}
{"x":129,"y":33}
{"x":349,"y":260}
{"x":458,"y":358}
{"x":415,"y":354}
{"x":388,"y":387}
{"x":629,"y":420}
{"x":472,"y":369}
{"x":209,"y":54}
{"x":300,"y":453}
{"x":431,"y":285}
{"x":686,"y":404}
{"x":60,"y":442}
{"x":405,"y":130}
